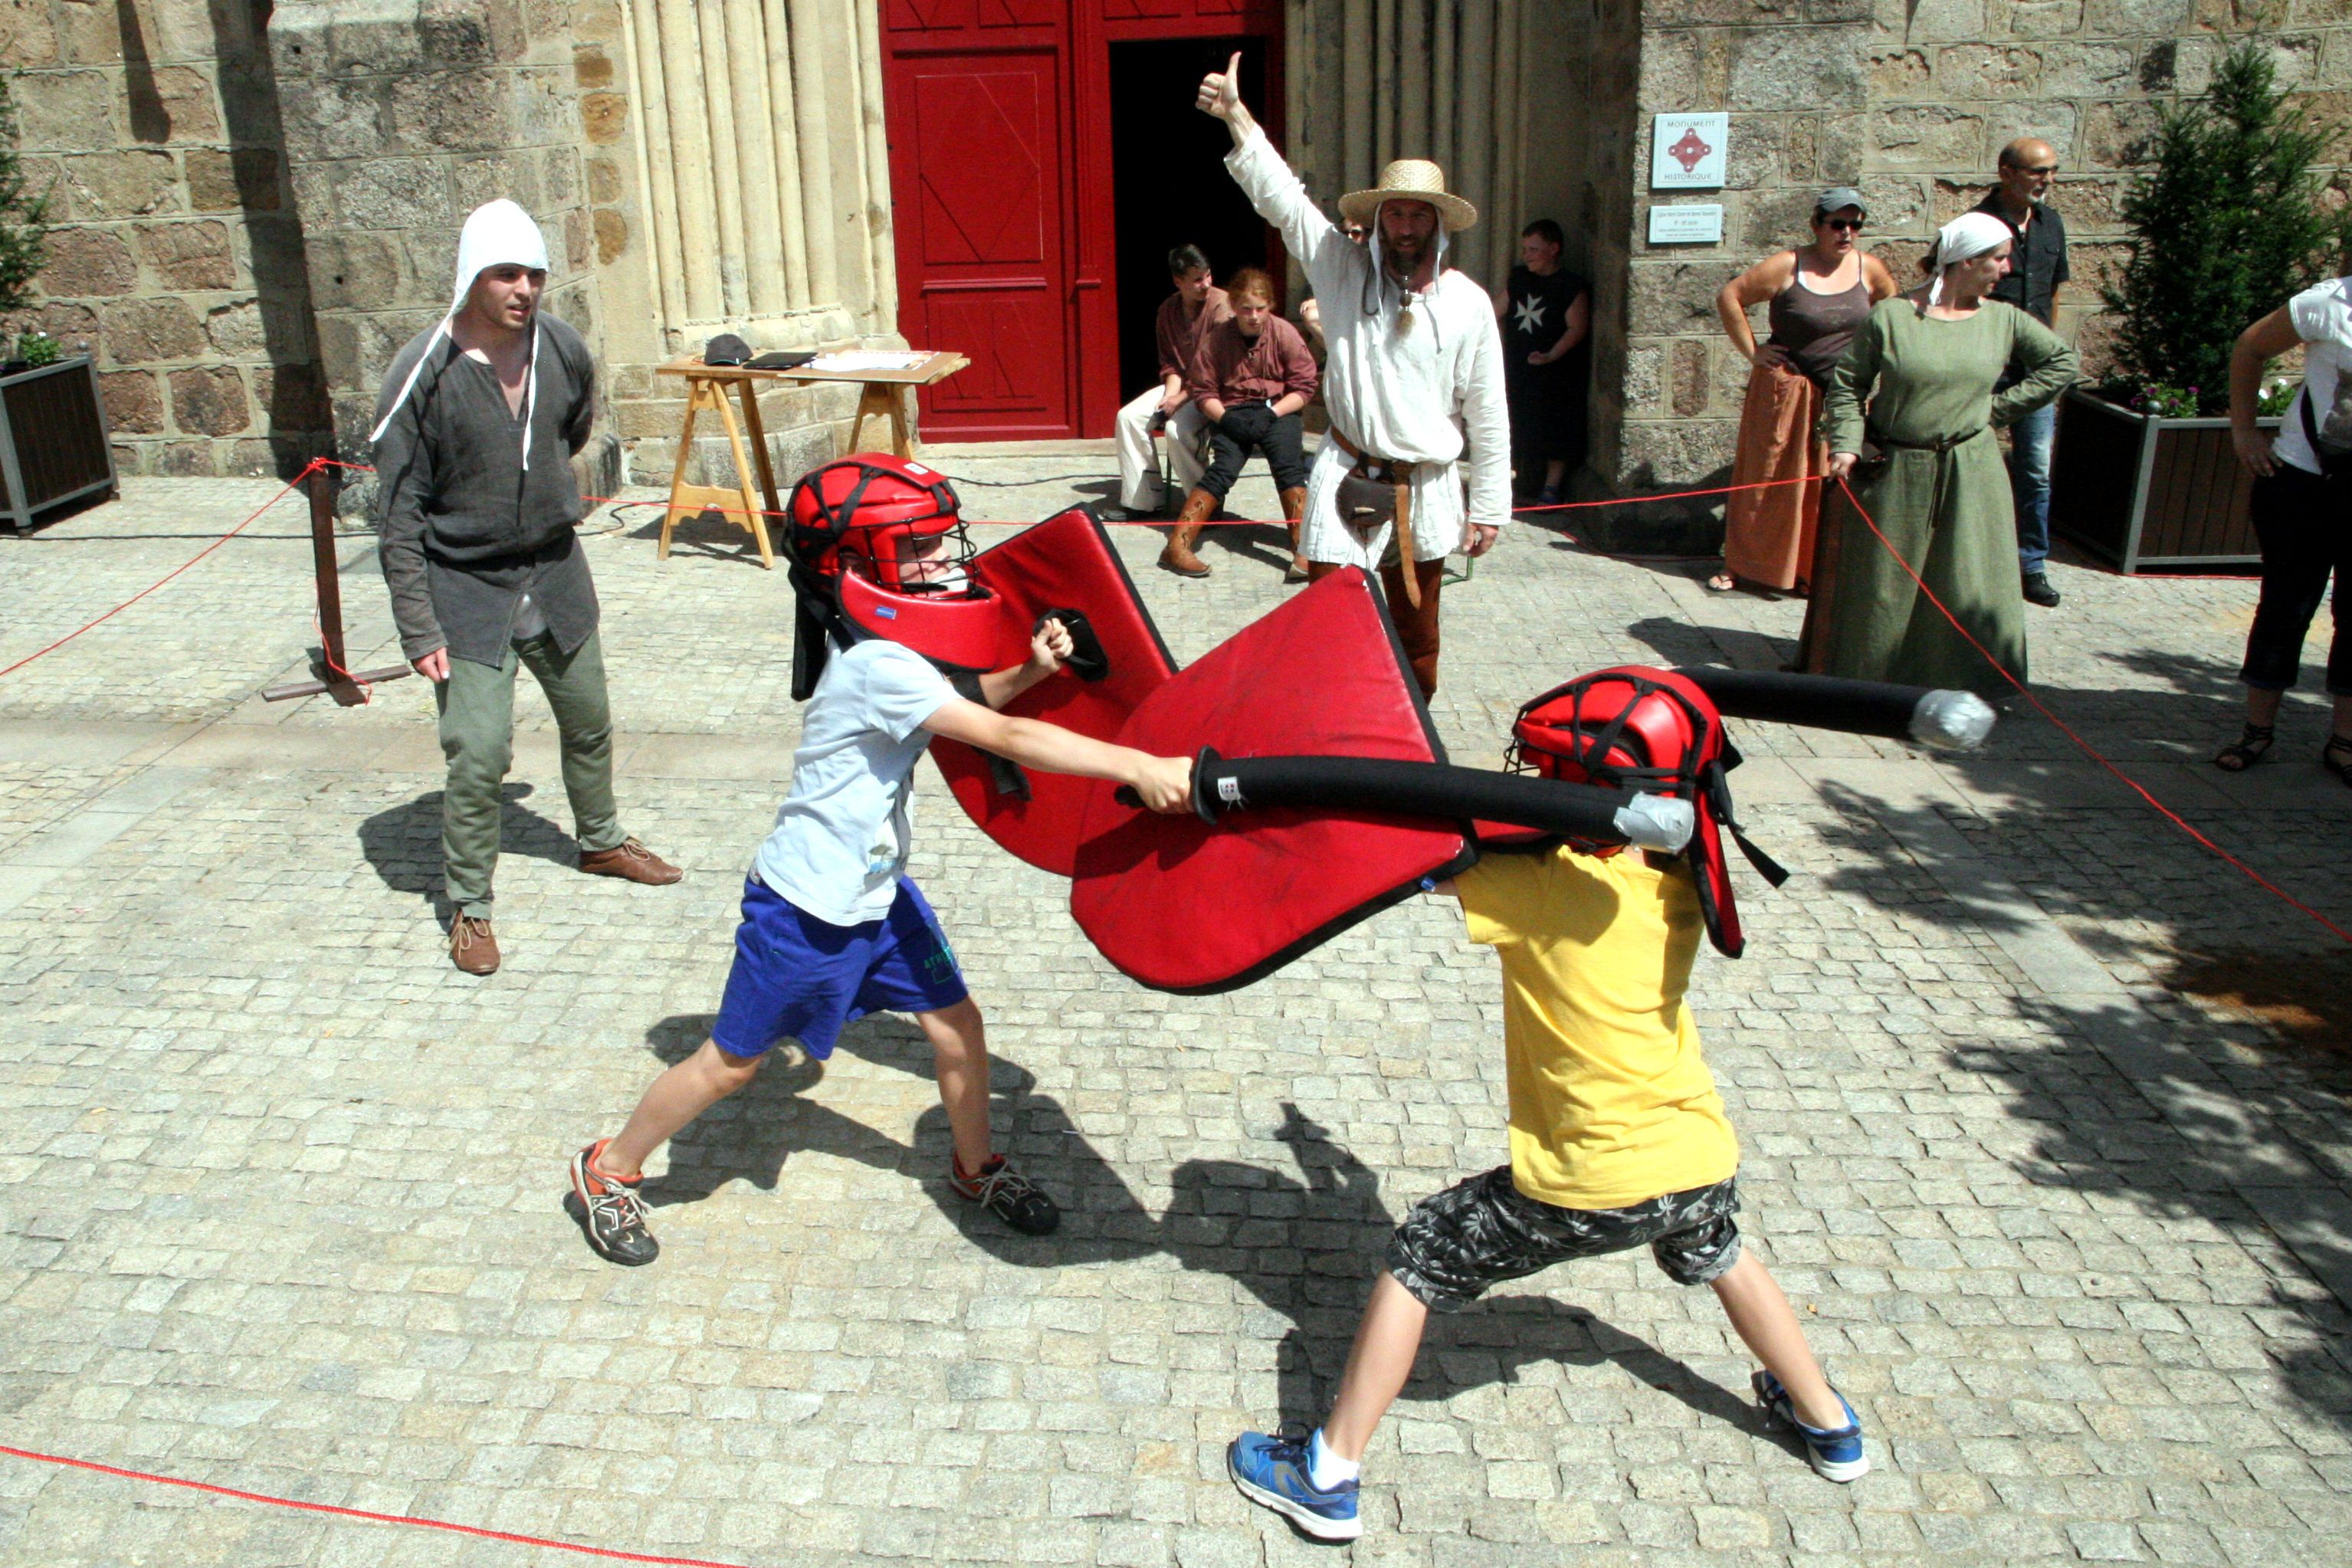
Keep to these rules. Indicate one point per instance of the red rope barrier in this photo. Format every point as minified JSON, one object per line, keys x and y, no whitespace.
{"x":364,"y":1515}
{"x":312,"y":467}
{"x":2066,"y":729}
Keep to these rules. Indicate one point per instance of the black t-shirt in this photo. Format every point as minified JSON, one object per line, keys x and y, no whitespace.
{"x":2037,"y":259}
{"x":1538,"y":314}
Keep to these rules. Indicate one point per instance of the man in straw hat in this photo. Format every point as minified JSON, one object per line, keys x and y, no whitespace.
{"x":1413,"y":380}
{"x":479,"y":515}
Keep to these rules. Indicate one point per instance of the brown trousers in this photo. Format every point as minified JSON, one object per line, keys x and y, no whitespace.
{"x":1416,"y":626}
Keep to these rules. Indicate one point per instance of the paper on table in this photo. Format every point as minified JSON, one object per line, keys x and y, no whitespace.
{"x":867,"y":359}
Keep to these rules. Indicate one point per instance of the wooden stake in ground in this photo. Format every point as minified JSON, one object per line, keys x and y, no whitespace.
{"x":337,"y":679}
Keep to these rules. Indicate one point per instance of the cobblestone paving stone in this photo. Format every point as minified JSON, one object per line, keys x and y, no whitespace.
{"x":280,"y":1192}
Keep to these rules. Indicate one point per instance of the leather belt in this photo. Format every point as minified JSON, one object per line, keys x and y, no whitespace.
{"x":1942,"y":444}
{"x":1400,"y":476}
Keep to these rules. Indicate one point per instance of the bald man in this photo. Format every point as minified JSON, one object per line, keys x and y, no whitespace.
{"x":2029,"y":166}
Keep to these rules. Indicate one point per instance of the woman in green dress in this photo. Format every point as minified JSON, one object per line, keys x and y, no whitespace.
{"x":1908,"y":420}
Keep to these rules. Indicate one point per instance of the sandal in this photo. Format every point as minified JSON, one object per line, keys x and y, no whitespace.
{"x":1722,"y":583}
{"x":2252,"y":747}
{"x":2336,"y":757}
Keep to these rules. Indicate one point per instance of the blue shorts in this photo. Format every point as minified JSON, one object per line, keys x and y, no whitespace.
{"x":800,"y":977}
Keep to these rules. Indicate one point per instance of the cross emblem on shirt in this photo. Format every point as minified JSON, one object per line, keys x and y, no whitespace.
{"x":1531,"y":314}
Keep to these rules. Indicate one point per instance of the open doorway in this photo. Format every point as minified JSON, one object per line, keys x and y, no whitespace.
{"x":1167,"y":174}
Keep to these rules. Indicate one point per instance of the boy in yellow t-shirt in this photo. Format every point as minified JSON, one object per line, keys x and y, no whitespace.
{"x":1618,"y":1139}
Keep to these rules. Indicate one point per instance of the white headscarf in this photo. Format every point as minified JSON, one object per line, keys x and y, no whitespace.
{"x":496,"y":234}
{"x":1970,"y":235}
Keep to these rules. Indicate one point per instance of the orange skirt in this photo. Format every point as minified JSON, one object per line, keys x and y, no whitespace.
{"x":1768,"y":536}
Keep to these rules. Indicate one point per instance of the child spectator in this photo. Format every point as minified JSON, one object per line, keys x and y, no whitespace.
{"x":833,"y":928}
{"x":1250,"y":376}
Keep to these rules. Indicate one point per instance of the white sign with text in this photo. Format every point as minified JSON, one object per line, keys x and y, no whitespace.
{"x":1694,"y":225}
{"x":1687,"y":150}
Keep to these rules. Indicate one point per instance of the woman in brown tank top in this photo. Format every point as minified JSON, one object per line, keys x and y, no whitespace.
{"x":1819,"y":294}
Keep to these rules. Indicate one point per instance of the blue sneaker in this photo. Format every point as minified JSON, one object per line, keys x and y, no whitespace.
{"x":1837,"y":1454}
{"x":1272,"y":1473}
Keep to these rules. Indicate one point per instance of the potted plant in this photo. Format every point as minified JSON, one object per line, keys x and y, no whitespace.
{"x":2225,"y":226}
{"x":53,"y":437}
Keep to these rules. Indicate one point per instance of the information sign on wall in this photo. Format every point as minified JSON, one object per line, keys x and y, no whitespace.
{"x":1687,"y":152}
{"x":1695,"y":225}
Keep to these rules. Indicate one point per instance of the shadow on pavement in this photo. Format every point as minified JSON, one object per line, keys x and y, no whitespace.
{"x":404,"y":842}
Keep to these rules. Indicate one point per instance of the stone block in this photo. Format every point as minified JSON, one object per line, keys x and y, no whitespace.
{"x":1667,"y":453}
{"x":1645,"y":372}
{"x":190,"y":256}
{"x":28,"y":37}
{"x":2141,"y":18}
{"x":559,"y":177}
{"x":132,"y":457}
{"x":1943,"y":21}
{"x":198,"y":30}
{"x":1671,"y":74}
{"x":1839,"y":10}
{"x":210,"y":401}
{"x":2117,"y":135}
{"x":1898,"y":73}
{"x":592,"y":68}
{"x":612,"y":234}
{"x":1753,"y":160}
{"x":452,"y":110}
{"x":359,"y":271}
{"x":237,"y":332}
{"x":87,"y":263}
{"x":1898,"y":204}
{"x":326,"y":119}
{"x":128,"y":183}
{"x":599,"y":21}
{"x":358,"y":46}
{"x":1968,"y":72}
{"x":1774,"y":220}
{"x":2044,"y":18}
{"x":89,"y":33}
{"x":543,"y":107}
{"x":248,"y":458}
{"x":1928,"y":137}
{"x":514,"y":176}
{"x":134,"y":403}
{"x":457,"y":34}
{"x":604,"y":181}
{"x":1673,"y":298}
{"x":604,"y":117}
{"x":1953,"y":197}
{"x":2089,"y":70}
{"x":292,"y":398}
{"x":184,"y":96}
{"x":149,"y":332}
{"x":244,"y":179}
{"x":73,"y":324}
{"x":2092,"y":206}
{"x":183,"y":460}
{"x":66,"y":112}
{"x":1801,"y":150}
{"x":2048,"y":121}
{"x":1691,"y":377}
{"x":394,"y":193}
{"x":1798,"y":67}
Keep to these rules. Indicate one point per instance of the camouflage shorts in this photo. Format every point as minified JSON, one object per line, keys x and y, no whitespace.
{"x":1456,"y":1242}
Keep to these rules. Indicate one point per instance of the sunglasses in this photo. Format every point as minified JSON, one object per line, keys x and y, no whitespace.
{"x":1842,"y":225}
{"x":2036,"y":168}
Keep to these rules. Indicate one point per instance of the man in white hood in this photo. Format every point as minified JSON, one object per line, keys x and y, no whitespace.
{"x":479,"y":519}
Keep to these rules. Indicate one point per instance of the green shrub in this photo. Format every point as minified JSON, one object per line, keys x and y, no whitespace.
{"x":2225,"y":227}
{"x":22,"y":217}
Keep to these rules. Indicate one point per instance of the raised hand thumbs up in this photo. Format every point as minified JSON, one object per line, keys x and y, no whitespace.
{"x":1221,"y":91}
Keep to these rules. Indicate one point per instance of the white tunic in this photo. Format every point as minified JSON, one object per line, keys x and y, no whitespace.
{"x":1414,"y":384}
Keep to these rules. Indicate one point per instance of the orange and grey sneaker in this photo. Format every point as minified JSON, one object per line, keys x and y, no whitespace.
{"x":610,"y":1212}
{"x":1006,"y":1194}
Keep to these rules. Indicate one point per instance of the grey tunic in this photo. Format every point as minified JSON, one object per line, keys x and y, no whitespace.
{"x":466,"y":529}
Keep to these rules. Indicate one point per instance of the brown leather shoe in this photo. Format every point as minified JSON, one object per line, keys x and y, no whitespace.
{"x":632,"y":862}
{"x":1199,"y":507}
{"x":1293,"y":507}
{"x":472,"y":948}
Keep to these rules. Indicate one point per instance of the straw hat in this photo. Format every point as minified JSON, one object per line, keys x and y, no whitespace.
{"x":1414,"y":179}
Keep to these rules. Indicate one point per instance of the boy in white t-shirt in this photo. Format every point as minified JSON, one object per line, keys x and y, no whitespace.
{"x":833,"y":928}
{"x":2302,"y":510}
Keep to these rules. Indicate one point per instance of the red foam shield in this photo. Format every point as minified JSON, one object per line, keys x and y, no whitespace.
{"x":1064,"y":563}
{"x":1182,"y":905}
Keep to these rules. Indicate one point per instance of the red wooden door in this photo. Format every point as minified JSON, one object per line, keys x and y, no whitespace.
{"x":977,"y":105}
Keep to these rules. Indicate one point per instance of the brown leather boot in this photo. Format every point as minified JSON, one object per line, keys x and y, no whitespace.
{"x":632,"y":862}
{"x":472,"y":948}
{"x":1293,"y":507}
{"x":1199,"y":507}
{"x":1416,"y":625}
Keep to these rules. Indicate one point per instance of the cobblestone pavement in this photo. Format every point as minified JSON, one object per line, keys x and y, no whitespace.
{"x":279,"y":1191}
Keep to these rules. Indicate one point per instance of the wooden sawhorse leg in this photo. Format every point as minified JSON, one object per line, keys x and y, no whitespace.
{"x":879,"y":399}
{"x":737,"y":505}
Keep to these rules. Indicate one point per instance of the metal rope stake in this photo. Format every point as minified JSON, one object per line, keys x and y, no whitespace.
{"x":347,"y":687}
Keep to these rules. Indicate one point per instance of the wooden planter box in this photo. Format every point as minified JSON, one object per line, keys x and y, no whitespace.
{"x":53,"y":441}
{"x":2144,"y":493}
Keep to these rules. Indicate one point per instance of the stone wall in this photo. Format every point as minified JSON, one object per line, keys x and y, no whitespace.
{"x":176,"y":254}
{"x":1911,"y":101}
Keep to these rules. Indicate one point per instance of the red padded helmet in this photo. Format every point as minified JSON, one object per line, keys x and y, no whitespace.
{"x":851,"y":523}
{"x":1637,"y":728}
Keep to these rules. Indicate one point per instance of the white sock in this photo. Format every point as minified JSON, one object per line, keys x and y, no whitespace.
{"x":1327,"y":1470}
